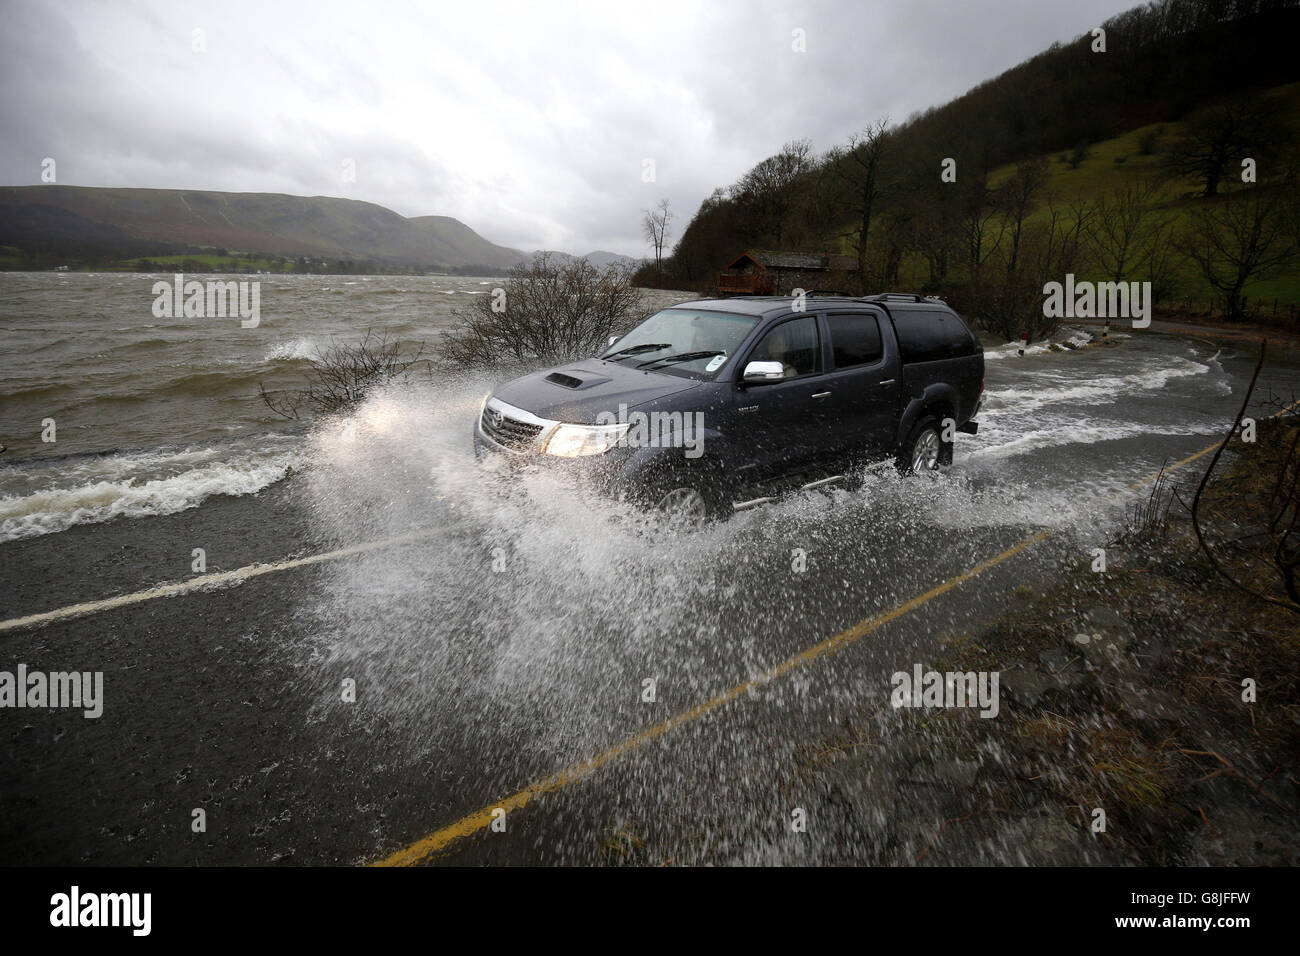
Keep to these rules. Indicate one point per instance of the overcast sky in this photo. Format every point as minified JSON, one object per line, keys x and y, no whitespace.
{"x":529,"y":122}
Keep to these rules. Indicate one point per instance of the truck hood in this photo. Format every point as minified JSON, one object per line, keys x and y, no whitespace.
{"x":580,"y":391}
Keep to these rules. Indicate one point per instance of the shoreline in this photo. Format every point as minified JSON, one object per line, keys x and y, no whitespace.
{"x":1245,"y":333}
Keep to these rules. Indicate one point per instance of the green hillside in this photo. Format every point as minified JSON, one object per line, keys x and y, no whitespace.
{"x":1112,"y":164}
{"x":1122,"y":164}
{"x":1120,"y":161}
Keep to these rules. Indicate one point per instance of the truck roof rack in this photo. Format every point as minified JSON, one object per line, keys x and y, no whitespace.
{"x":910,"y":296}
{"x":904,"y":296}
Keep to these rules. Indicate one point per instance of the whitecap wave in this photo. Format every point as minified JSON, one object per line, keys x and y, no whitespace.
{"x":293,"y":350}
{"x":1008,"y":443}
{"x":1047,"y":387}
{"x":110,"y":489}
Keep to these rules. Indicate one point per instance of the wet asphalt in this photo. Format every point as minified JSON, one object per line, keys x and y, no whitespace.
{"x":471,"y":685}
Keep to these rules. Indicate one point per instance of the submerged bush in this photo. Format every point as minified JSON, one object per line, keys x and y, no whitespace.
{"x":547,"y":312}
{"x":343,"y":374}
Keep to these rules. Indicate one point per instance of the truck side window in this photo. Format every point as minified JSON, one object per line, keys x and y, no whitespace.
{"x":795,"y":344}
{"x":930,"y":335}
{"x":855,"y":337}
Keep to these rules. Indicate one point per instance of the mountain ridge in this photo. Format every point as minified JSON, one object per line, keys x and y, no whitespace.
{"x":600,"y":258}
{"x":103,"y":222}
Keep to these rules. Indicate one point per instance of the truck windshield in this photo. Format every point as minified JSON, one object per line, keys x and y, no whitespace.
{"x":698,"y":342}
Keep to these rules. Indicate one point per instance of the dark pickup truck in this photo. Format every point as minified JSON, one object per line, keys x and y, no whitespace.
{"x":720,"y":401}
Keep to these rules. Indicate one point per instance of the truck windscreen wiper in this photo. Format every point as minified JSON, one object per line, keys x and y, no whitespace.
{"x":638,"y":349}
{"x":681,"y":357}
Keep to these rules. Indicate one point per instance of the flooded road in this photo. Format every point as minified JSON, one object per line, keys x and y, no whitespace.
{"x":341,"y":711}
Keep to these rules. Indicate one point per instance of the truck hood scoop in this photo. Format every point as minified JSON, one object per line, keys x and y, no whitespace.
{"x":583,"y":391}
{"x":577,"y":378}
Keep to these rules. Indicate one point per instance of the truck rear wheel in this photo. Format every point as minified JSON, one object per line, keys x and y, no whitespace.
{"x":923,"y":451}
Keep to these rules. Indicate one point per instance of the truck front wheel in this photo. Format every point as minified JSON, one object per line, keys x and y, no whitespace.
{"x":690,"y":497}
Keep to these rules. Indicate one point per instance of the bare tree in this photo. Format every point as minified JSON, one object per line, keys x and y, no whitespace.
{"x":768,"y":190}
{"x":858,"y":166}
{"x":1284,"y":520}
{"x":343,"y":374}
{"x":547,"y":313}
{"x":817,"y":205}
{"x":1218,"y":136}
{"x":1119,"y":230}
{"x":1161,"y":255}
{"x":983,"y":227}
{"x":1008,"y":300}
{"x":1241,"y":240}
{"x":1018,"y":196}
{"x":931,"y":209}
{"x":654,"y":226}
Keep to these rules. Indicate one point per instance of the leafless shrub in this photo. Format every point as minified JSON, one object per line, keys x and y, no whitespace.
{"x":1006,"y":295}
{"x":1148,"y":520}
{"x":343,"y":375}
{"x":1242,"y":240}
{"x":1124,"y":230}
{"x":1283,"y":513}
{"x":552,"y":312}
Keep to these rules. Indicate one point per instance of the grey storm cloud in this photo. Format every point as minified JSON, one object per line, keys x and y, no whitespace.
{"x":529,"y":122}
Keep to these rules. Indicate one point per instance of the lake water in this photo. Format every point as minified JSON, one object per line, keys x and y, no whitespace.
{"x":153,"y":415}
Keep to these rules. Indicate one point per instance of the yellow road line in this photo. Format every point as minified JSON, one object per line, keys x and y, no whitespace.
{"x":480,"y":819}
{"x":1170,"y":469}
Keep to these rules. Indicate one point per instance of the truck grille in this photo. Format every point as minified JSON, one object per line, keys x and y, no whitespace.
{"x":507,"y":431}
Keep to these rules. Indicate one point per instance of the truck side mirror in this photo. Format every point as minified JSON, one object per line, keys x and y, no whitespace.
{"x":757,"y":373}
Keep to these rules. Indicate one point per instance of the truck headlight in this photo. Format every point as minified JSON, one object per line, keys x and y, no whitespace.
{"x":574,"y":441}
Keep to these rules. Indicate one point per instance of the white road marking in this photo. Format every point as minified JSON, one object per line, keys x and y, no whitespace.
{"x":240,"y":575}
{"x":202,"y":582}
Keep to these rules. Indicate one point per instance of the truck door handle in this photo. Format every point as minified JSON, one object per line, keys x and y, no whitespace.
{"x":821,"y":395}
{"x":888,"y":381}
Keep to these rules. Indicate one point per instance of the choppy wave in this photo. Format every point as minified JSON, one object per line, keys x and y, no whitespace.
{"x":105,"y":487}
{"x":1009,"y":442}
{"x":1074,"y":335}
{"x":300,"y":349}
{"x":85,"y":355}
{"x":1050,"y":387}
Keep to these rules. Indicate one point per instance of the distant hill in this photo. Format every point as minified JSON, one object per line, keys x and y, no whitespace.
{"x":599,"y":258}
{"x":82,"y":222}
